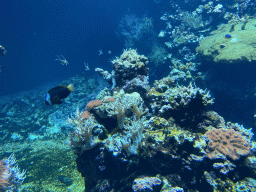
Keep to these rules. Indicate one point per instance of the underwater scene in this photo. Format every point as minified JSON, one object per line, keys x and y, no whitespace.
{"x":128,"y":96}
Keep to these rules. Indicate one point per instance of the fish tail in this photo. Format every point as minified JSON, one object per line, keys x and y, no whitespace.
{"x":71,"y":87}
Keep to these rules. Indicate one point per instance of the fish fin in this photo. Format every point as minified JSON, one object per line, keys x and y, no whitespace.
{"x":57,"y":87}
{"x":71,"y":87}
{"x":64,"y":86}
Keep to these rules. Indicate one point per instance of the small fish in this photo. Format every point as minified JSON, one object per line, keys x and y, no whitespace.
{"x":64,"y":179}
{"x":2,"y":51}
{"x":227,"y":36}
{"x":57,"y":94}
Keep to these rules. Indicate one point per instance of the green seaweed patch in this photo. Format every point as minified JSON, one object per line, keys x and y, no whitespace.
{"x":158,"y":121}
{"x":171,"y":99}
{"x":175,"y":131}
{"x":154,"y":92}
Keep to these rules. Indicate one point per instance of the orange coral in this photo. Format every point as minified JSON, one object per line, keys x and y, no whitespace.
{"x":223,"y":142}
{"x":92,"y":104}
{"x":109,"y":99}
{"x":4,"y":175}
{"x":85,"y":115}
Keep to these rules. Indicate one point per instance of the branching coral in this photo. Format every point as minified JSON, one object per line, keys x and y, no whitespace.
{"x":76,"y":119}
{"x":82,"y":137}
{"x":122,"y":103}
{"x":181,"y":95}
{"x":226,"y":142}
{"x":192,"y":20}
{"x":134,"y":136}
{"x":132,"y":27}
{"x":158,"y":55}
{"x":130,"y":72}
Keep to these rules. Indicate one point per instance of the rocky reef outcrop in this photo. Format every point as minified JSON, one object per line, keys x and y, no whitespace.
{"x":162,"y":139}
{"x":130,"y":72}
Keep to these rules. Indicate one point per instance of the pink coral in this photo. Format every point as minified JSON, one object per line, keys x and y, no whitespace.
{"x":226,"y":142}
{"x":4,"y":175}
{"x":92,"y":104}
{"x":85,"y":115}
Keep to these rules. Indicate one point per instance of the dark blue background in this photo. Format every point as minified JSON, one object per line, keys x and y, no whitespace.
{"x":35,"y":32}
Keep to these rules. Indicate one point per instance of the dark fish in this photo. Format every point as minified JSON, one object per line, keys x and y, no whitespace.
{"x":228,"y":36}
{"x":57,"y":94}
{"x":64,"y":179}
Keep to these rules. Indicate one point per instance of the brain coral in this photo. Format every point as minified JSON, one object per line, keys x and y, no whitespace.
{"x":226,"y":142}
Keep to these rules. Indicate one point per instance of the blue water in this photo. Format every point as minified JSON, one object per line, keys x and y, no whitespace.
{"x":94,"y":32}
{"x":34,"y":33}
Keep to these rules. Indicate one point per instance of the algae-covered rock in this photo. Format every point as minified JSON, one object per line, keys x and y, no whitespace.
{"x":231,"y":43}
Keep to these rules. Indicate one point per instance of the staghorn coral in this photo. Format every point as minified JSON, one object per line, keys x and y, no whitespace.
{"x":226,"y":143}
{"x":179,"y":97}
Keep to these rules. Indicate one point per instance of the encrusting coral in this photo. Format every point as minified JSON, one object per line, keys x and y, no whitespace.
{"x":223,"y":143}
{"x":92,"y":104}
{"x":82,"y":138}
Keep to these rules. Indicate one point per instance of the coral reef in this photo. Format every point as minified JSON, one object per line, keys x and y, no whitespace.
{"x":164,"y":136}
{"x":130,"y":72}
{"x":183,"y":103}
{"x":137,"y":136}
{"x":216,"y":48}
{"x":120,"y":143}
